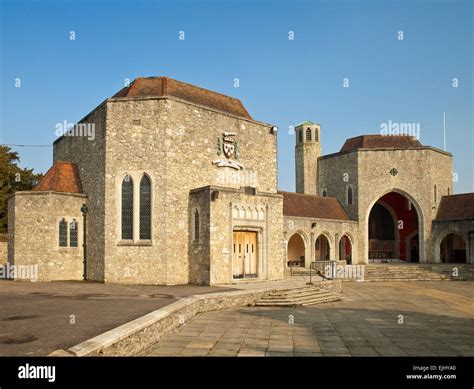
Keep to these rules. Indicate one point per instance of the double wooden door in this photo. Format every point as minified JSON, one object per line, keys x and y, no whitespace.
{"x":244,"y":254}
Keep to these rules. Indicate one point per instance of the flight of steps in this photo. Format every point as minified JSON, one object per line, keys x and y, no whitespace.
{"x":410,"y":272}
{"x":302,"y":296}
{"x":300,"y":271}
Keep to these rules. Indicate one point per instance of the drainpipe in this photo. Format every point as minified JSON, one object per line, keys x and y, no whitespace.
{"x":84,"y":211}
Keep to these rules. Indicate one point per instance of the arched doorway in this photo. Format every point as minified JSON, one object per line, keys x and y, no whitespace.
{"x":296,"y":251}
{"x":453,"y":249}
{"x":412,"y":247}
{"x":345,"y":249}
{"x":322,"y":248}
{"x":393,"y":229}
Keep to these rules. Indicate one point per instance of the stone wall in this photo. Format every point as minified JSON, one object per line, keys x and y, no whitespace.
{"x":174,"y":143}
{"x":89,"y":156}
{"x":33,"y":227}
{"x":199,"y":246}
{"x":336,"y":173}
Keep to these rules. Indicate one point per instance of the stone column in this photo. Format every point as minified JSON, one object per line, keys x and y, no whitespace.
{"x":470,"y":248}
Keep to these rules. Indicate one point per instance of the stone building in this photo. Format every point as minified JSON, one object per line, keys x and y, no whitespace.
{"x":394,"y":202}
{"x":169,"y":183}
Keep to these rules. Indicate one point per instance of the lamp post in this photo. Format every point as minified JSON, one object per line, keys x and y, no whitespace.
{"x":84,"y":211}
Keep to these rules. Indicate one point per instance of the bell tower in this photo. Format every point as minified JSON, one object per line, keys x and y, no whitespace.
{"x":307,"y":152}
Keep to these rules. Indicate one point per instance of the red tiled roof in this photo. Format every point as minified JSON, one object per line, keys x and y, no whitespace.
{"x":380,"y":142}
{"x":61,"y":177}
{"x":164,"y":86}
{"x":456,"y":207}
{"x":303,"y":205}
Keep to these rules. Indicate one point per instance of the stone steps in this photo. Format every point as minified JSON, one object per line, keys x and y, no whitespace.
{"x":407,"y":272}
{"x":410,"y":272}
{"x":308,"y":295}
{"x":293,"y":293}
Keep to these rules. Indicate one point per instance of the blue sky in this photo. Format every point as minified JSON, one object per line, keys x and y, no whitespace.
{"x":282,"y":81}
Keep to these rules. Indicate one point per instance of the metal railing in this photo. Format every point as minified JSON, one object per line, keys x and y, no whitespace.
{"x":325,"y":269}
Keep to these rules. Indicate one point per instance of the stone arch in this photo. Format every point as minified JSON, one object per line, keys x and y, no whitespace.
{"x":350,"y":238}
{"x":454,"y":254}
{"x":296,"y":248}
{"x":323,"y":246}
{"x":419,"y":212}
{"x":442,"y":236}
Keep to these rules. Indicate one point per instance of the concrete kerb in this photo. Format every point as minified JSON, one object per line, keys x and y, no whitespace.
{"x":135,"y":336}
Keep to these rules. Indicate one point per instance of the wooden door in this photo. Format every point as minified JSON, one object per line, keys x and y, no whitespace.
{"x":244,"y":254}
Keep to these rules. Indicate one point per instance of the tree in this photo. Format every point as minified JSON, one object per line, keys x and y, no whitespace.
{"x":12,"y":178}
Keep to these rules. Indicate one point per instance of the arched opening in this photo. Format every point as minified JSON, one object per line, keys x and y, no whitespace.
{"x":127,"y":208}
{"x":349,"y":195}
{"x":393,"y":229}
{"x":345,"y":249}
{"x":145,"y":208}
{"x":322,"y":249}
{"x":453,"y":249}
{"x":63,"y":233}
{"x":73,"y":233}
{"x":296,"y":251}
{"x":308,"y":135}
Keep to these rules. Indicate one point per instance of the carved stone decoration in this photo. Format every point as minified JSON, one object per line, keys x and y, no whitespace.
{"x":228,"y":146}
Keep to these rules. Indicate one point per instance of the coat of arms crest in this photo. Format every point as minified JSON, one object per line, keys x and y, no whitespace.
{"x":228,"y":146}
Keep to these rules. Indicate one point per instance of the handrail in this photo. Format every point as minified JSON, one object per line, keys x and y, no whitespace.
{"x":321,"y":269}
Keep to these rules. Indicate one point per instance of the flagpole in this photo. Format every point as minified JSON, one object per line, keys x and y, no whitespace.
{"x":444,"y":130}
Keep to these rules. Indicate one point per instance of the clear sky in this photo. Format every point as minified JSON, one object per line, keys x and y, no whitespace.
{"x":282,"y":81}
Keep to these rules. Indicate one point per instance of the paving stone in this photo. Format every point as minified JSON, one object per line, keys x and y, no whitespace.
{"x":190,"y":352}
{"x":369,"y":327}
{"x":279,"y":354}
{"x":166,"y":351}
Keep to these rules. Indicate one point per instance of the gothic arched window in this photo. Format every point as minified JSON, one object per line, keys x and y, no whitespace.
{"x":300,"y":135}
{"x":145,"y":208}
{"x":349,"y":195}
{"x":73,"y":233}
{"x":63,"y":233}
{"x":324,"y":193}
{"x":316,"y":135}
{"x":196,"y":225}
{"x":308,"y":134}
{"x":127,"y":208}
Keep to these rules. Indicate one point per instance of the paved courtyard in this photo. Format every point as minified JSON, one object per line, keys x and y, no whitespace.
{"x":433,"y":318}
{"x":40,"y":317}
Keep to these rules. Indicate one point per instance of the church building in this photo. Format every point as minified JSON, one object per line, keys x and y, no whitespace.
{"x":178,"y":184}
